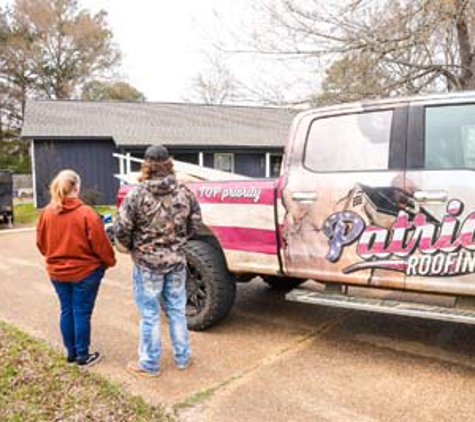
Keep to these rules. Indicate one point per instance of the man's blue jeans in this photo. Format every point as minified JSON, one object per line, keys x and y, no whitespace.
{"x":148,"y":287}
{"x":77,"y":303}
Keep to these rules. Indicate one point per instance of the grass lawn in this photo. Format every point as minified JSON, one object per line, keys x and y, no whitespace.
{"x":26,"y":213}
{"x":37,"y":385}
{"x":106,"y":209}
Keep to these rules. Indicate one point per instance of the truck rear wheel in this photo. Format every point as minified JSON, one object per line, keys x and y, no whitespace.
{"x":282,"y":284}
{"x":211,"y":288}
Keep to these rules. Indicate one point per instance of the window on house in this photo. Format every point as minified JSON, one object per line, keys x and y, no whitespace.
{"x":450,"y":137}
{"x":352,"y":142}
{"x":224,"y":162}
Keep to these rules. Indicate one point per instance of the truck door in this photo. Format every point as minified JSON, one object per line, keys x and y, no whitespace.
{"x":441,"y":161}
{"x":343,"y":190}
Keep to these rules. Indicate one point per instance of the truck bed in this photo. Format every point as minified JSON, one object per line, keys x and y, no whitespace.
{"x":241,"y":216}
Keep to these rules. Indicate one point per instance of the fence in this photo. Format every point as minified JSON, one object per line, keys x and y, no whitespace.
{"x":187,"y":171}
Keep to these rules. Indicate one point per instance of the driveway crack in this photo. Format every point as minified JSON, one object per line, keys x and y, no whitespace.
{"x":298,"y":344}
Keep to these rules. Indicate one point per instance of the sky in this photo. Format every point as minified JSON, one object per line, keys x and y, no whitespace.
{"x":165,"y":44}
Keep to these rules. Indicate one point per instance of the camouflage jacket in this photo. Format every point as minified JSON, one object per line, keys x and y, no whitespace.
{"x":154,"y":222}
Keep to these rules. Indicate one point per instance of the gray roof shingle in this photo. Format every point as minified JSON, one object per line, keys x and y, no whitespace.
{"x":129,"y":123}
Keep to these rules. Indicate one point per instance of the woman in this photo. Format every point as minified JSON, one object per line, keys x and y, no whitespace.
{"x":72,"y":238}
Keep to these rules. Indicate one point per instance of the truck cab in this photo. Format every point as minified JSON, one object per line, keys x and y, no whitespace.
{"x":381,"y":194}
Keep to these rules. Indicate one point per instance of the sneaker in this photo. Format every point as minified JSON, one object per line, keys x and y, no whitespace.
{"x":135,"y":369}
{"x":71,"y":359}
{"x":91,"y":360}
{"x":183,"y":367}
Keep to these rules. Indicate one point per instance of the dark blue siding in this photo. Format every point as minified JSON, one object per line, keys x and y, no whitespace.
{"x":92,"y":159}
{"x":191,"y":158}
{"x":208,"y":160}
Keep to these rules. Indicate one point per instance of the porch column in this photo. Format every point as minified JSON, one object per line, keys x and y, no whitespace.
{"x":201,"y":159}
{"x":267,"y":164}
{"x":128,"y":164}
{"x":121,"y":168}
{"x":33,"y":172}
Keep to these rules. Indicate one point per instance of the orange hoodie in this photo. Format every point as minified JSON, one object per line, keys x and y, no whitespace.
{"x":73,"y":241}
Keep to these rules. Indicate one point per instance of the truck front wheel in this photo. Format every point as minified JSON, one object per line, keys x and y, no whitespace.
{"x":211,"y":288}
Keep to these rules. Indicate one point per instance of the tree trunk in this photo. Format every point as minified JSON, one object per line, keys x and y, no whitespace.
{"x":467,"y":74}
{"x":1,"y":120}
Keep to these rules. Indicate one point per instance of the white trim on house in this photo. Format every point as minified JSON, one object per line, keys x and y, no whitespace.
{"x":121,"y":170}
{"x":267,"y":164}
{"x":128,"y":163}
{"x":274,"y":154}
{"x":33,"y":172}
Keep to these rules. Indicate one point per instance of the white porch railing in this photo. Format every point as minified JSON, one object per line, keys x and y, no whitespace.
{"x":185,"y":171}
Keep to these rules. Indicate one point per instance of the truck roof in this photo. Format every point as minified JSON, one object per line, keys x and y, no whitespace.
{"x":446,"y":98}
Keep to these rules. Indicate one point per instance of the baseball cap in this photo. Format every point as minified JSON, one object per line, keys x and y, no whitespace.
{"x":156,"y":153}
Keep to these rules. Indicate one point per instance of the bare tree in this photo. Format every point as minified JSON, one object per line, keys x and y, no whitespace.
{"x":374,"y":48}
{"x":215,"y":84}
{"x":50,"y":48}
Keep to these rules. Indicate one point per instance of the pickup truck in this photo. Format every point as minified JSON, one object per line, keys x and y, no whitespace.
{"x":372,"y":195}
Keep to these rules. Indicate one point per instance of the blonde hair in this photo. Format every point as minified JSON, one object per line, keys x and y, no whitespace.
{"x":62,"y":186}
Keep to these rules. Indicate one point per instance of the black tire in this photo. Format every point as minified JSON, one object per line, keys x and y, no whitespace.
{"x":282,"y":284}
{"x":211,"y":288}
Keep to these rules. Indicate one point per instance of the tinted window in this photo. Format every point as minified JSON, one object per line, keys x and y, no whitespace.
{"x":351,"y":142}
{"x":450,"y":137}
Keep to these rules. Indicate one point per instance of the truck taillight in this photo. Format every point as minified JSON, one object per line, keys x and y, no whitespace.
{"x":120,"y":199}
{"x":123,"y":191}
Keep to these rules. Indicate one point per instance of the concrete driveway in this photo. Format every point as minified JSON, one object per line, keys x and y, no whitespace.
{"x":270,"y":360}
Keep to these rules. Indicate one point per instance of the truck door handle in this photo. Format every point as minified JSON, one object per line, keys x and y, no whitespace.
{"x":304,"y":196}
{"x":431,"y":196}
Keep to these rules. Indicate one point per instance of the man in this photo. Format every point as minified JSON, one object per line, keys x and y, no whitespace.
{"x":154,"y":222}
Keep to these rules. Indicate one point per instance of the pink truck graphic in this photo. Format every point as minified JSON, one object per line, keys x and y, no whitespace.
{"x":377,"y":195}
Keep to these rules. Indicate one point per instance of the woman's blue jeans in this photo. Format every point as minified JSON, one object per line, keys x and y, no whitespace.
{"x":149,"y":287}
{"x":77,"y":303}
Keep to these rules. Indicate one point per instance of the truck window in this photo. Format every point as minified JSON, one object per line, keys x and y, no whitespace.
{"x":352,"y":142}
{"x":450,"y":137}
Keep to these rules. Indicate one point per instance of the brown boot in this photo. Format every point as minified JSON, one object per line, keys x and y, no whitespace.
{"x":135,"y":369}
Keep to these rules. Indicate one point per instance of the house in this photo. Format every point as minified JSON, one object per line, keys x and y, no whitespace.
{"x":84,"y":135}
